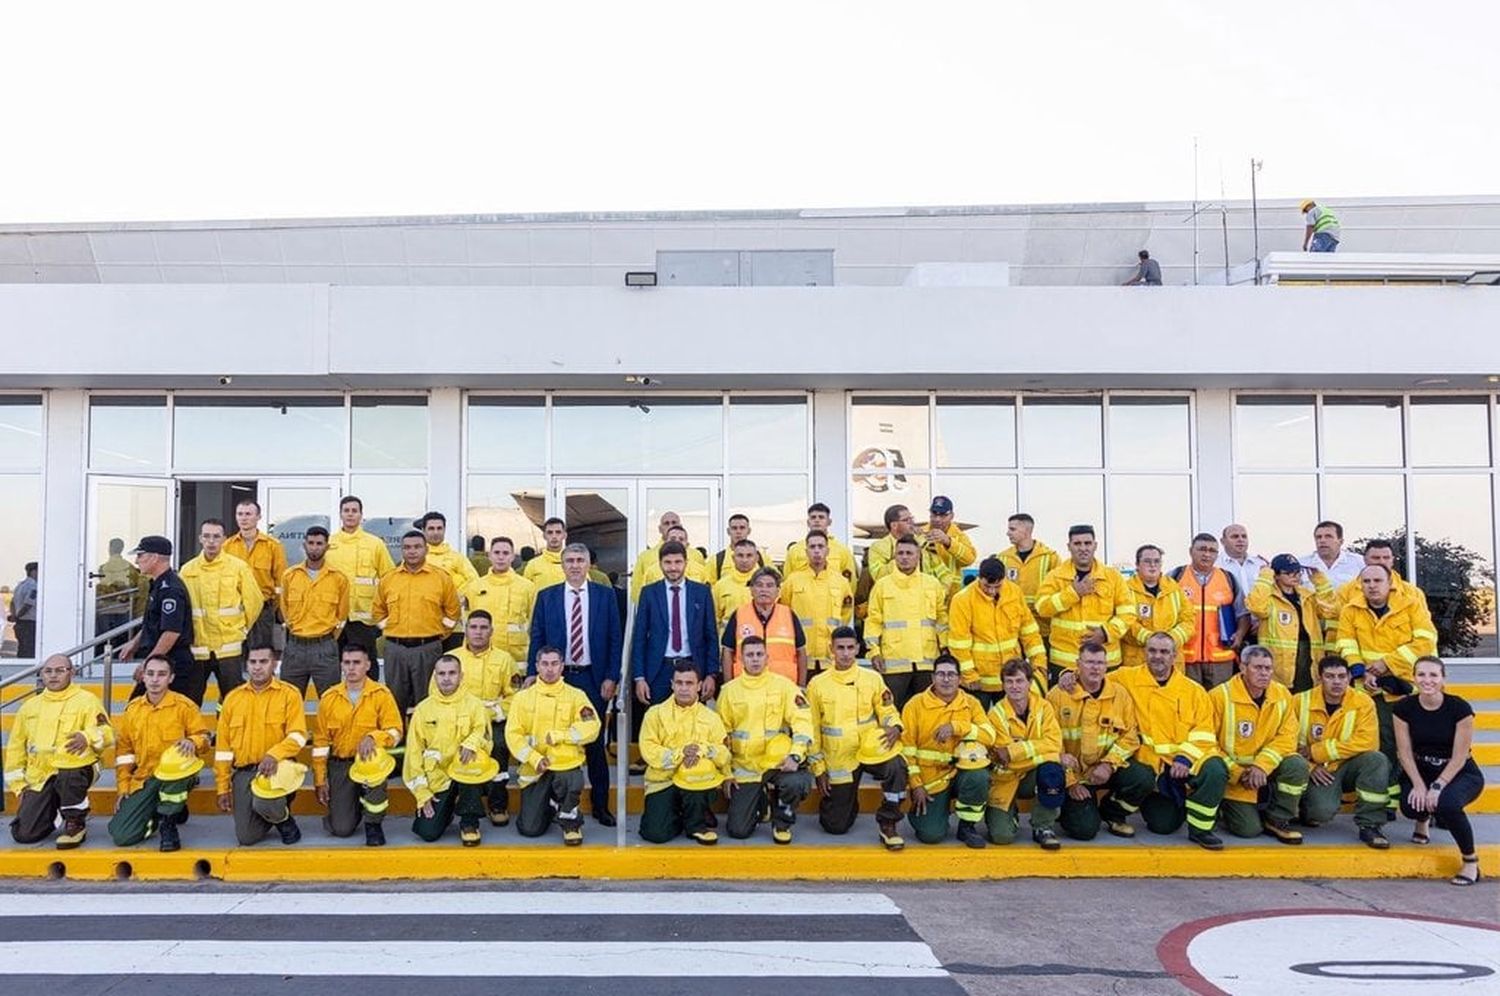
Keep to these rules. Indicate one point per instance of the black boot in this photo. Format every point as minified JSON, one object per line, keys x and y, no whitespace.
{"x":289,"y":830}
{"x":374,"y":835}
{"x":170,"y":841}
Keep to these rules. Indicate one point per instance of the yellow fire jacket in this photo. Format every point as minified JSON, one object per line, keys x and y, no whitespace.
{"x":907,"y":623}
{"x":267,"y":560}
{"x":1030,"y":742}
{"x":984,"y":633}
{"x":1164,"y":612}
{"x":545,"y":569}
{"x":840,"y":558}
{"x":509,"y":599}
{"x":145,"y":731}
{"x":341,"y":724}
{"x":822,"y":603}
{"x":1280,"y":620}
{"x":730,"y":592}
{"x":1253,"y":735}
{"x":456,"y":566}
{"x":253,"y":724}
{"x":1096,"y":728}
{"x":1334,"y":736}
{"x":1399,"y":637}
{"x":226,"y":602}
{"x":850,"y":711}
{"x":440,"y":725}
{"x":554,"y":721}
{"x":34,"y":752}
{"x":880,"y":560}
{"x":667,"y":729}
{"x":930,"y":764}
{"x":1029,"y":573}
{"x":1110,"y":606}
{"x":364,"y":559}
{"x":492,"y":677}
{"x":768,"y":720}
{"x":1175,"y":718}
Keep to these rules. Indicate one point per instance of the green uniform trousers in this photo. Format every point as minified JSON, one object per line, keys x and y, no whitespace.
{"x":1205,"y":790}
{"x":1385,"y":718}
{"x":673,"y":811}
{"x":1114,"y":801}
{"x":787,"y":788}
{"x":137,"y":815}
{"x":1283,"y":793}
{"x":968,"y":793}
{"x":1004,"y":823}
{"x":1367,"y":776}
{"x":458,"y":799}
{"x":553,"y":794}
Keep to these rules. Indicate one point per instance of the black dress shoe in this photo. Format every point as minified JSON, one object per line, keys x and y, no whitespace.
{"x":605,"y":818}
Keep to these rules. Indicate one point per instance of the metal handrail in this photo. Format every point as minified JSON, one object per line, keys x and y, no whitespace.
{"x":108,"y":659}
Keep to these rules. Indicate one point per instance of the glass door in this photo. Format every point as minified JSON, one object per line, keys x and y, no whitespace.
{"x":695,"y":501}
{"x":120,"y":511}
{"x":599,"y":513}
{"x":290,"y":504}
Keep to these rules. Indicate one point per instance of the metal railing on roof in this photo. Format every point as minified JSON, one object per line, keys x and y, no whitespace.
{"x":105,"y":660}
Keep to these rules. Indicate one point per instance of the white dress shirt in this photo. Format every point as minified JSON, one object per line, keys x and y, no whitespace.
{"x":570,"y":595}
{"x":1342,"y":570}
{"x":686,"y":650}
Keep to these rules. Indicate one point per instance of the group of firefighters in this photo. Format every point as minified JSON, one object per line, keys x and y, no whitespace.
{"x":1233,"y":693}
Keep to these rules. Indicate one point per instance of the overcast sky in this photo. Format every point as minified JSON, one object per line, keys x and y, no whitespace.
{"x":187,"y":111}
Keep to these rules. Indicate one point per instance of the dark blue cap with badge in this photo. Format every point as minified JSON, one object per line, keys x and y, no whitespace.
{"x":154,"y":544}
{"x":1285,"y":563}
{"x":941,"y":505}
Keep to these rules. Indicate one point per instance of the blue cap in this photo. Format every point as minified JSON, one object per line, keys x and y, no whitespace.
{"x":941,"y":505}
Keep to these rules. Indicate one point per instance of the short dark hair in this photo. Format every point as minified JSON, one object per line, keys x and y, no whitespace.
{"x":1143,"y":254}
{"x":164,"y":659}
{"x":448,"y":657}
{"x":818,"y":506}
{"x":503,"y":539}
{"x":843,"y":633}
{"x":1332,"y":660}
{"x":1379,"y":544}
{"x":547,"y":648}
{"x":316,"y":531}
{"x":554,"y":521}
{"x":686,"y":664}
{"x":893,"y":512}
{"x":1330,"y":524}
{"x":211,"y":521}
{"x":1021,"y":517}
{"x":669,"y":548}
{"x":1016,"y":666}
{"x":1082,"y":529}
{"x":1092,"y":647}
{"x":1204,"y":538}
{"x":990,"y":569}
{"x":747,"y":541}
{"x":739,"y":515}
{"x":433,"y":515}
{"x":1147,"y":546}
{"x":350,"y":498}
{"x":946,"y":658}
{"x":909,"y":541}
{"x":476,"y":543}
{"x":248,"y":501}
{"x":355,"y":648}
{"x":752,"y":641}
{"x":816,"y":532}
{"x":413,"y":534}
{"x":765,"y":572}
{"x":482,"y":614}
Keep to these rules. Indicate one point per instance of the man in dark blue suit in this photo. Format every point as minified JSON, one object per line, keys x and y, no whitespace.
{"x":673,"y":622}
{"x":582,"y":618}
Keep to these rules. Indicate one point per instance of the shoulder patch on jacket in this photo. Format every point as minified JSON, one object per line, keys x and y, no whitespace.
{"x":587,"y":712}
{"x":885,"y":697}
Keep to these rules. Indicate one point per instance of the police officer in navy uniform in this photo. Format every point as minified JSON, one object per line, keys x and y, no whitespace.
{"x":167,"y":627}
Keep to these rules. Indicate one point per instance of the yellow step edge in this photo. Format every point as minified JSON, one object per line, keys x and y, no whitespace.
{"x":1475,"y":691}
{"x":1487,"y":753}
{"x":1487,"y":721}
{"x":273,"y":862}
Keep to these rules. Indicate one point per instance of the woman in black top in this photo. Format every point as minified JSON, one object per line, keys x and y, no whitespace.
{"x":1438,"y":776}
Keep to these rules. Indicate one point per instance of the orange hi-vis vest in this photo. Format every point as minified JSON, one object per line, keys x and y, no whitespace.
{"x":780,"y":634}
{"x":1206,"y":600}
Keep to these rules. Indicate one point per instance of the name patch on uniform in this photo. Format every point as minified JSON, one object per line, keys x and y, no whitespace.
{"x":1317,"y":730}
{"x":1145,"y":609}
{"x":1012,"y":573}
{"x":1284,"y":617}
{"x":1246,"y":728}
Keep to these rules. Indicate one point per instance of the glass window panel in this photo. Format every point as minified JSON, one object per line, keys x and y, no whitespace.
{"x":981,"y":505}
{"x":889,"y":433}
{"x":20,"y":543}
{"x":1279,"y":510}
{"x":768,"y":434}
{"x":871,"y":494}
{"x":1144,"y":508}
{"x":652,"y":435}
{"x":240,"y":435}
{"x":501,"y":505}
{"x":1058,"y":501}
{"x":20,"y":432}
{"x":599,"y":519}
{"x":392,"y":502}
{"x":1450,"y":432}
{"x":976,"y":432}
{"x":1453,"y":518}
{"x":693,"y":505}
{"x":1365,"y":505}
{"x":1361,"y":431}
{"x":128,"y":434}
{"x":777,"y":506}
{"x":1148,"y":433}
{"x":389,"y":434}
{"x":507,"y":434}
{"x":1275,"y":431}
{"x":1063,"y":432}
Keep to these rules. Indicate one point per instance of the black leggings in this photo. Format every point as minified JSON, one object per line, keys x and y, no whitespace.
{"x":1457,"y":794}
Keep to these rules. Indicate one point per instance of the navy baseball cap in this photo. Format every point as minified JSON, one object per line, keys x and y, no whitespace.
{"x":1285,"y":563}
{"x":941,"y":505}
{"x":154,"y":544}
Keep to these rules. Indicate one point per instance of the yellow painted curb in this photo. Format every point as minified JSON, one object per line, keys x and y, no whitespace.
{"x":767,"y":863}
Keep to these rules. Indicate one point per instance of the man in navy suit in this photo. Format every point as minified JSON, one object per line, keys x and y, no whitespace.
{"x":582,"y":618}
{"x":673,"y":622}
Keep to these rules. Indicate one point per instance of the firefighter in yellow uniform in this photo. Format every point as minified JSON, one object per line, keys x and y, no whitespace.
{"x":549,"y":724}
{"x":738,"y":529}
{"x":159,"y":726}
{"x":1338,"y":733}
{"x":880,"y":557}
{"x":267,"y":559}
{"x":683,"y":743}
{"x":770,"y":739}
{"x":506,"y":596}
{"x":1382,"y":631}
{"x":732,"y":589}
{"x":415,"y":605}
{"x":1027,"y":560}
{"x":1026,"y":757}
{"x":1178,"y":744}
{"x":1257,"y":727}
{"x":945,"y":737}
{"x":989,"y":624}
{"x":363,"y":559}
{"x":448,"y":728}
{"x":1159,"y":608}
{"x":545,"y":569}
{"x":907,"y":624}
{"x":226,"y":602}
{"x":1084,"y":599}
{"x":948,"y":544}
{"x":262,"y":725}
{"x":52,"y":757}
{"x":840,"y":557}
{"x":357,"y":721}
{"x":858,"y":733}
{"x":454,"y":563}
{"x":821,"y":599}
{"x":1100,"y":741}
{"x":1382,"y":552}
{"x":648,"y":565}
{"x":492,"y":675}
{"x":1290,"y":616}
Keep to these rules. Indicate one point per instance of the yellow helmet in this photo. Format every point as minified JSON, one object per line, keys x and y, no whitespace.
{"x":288,"y":778}
{"x":1309,"y":202}
{"x":971,"y":754}
{"x":482,"y":769}
{"x":777,"y":748}
{"x":176,"y":765}
{"x":374,"y":770}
